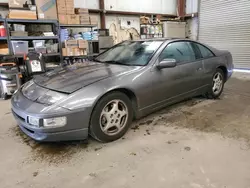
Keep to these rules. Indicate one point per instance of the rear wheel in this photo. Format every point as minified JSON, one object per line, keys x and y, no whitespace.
{"x":217,"y":84}
{"x":111,"y":117}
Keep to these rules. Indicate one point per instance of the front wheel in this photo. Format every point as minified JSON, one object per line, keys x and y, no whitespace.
{"x":217,"y":85}
{"x":111,"y":117}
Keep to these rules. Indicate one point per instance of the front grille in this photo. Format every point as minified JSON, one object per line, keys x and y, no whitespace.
{"x":19,"y":117}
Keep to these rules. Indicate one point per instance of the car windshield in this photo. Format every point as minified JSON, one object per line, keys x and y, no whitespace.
{"x":134,"y":53}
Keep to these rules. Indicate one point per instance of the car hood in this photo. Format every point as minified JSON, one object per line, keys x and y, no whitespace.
{"x":73,"y":78}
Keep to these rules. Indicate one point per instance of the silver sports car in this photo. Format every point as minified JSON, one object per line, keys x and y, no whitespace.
{"x":128,"y":81}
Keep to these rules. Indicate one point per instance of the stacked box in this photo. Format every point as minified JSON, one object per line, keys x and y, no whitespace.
{"x":63,"y":19}
{"x":73,"y":52}
{"x":83,"y":44}
{"x":73,"y":19}
{"x":61,"y":7}
{"x":22,"y":14}
{"x":83,"y":15}
{"x":70,"y":9}
{"x":75,"y":48}
{"x":71,"y":44}
{"x":81,"y":10}
{"x":61,"y":10}
{"x":93,"y":20}
{"x":66,"y":12}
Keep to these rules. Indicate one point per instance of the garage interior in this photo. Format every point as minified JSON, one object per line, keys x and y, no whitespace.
{"x":196,"y":143}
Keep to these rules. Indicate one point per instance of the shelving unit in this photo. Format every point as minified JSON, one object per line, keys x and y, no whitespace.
{"x":147,"y":31}
{"x":3,"y":38}
{"x":35,"y":38}
{"x":31,"y":21}
{"x":91,"y":51}
{"x":55,"y":30}
{"x":76,"y":25}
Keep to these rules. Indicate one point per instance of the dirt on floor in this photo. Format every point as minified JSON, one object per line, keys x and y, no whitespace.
{"x":197,"y":143}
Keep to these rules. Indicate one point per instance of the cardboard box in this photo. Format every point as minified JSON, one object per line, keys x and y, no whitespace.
{"x":73,"y":51}
{"x":70,"y":2}
{"x":46,"y":9}
{"x":70,"y":51}
{"x":61,"y":2}
{"x":61,"y":10}
{"x":71,"y":44}
{"x":22,"y":14}
{"x":73,"y":19}
{"x":70,"y":10}
{"x":84,"y":16}
{"x":83,"y":44}
{"x":4,"y":51}
{"x":64,"y":51}
{"x":81,"y":10}
{"x":93,"y":20}
{"x":63,"y":19}
{"x":19,"y":33}
{"x":84,"y":19}
{"x":84,"y":22}
{"x":16,"y":3}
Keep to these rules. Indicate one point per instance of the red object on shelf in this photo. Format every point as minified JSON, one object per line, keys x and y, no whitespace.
{"x":2,"y":32}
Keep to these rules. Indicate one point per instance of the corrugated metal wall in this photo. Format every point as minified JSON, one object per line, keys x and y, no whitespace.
{"x":226,"y":25}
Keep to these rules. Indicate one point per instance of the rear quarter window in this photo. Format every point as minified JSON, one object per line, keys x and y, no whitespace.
{"x":205,"y":52}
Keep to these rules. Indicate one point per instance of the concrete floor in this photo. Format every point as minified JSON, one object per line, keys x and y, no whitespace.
{"x":198,"y":143}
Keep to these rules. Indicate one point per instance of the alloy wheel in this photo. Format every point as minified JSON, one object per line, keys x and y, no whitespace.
{"x":113,"y":117}
{"x":217,"y":83}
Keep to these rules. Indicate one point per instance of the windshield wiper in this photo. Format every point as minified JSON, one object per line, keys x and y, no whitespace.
{"x":116,"y":62}
{"x":97,"y":60}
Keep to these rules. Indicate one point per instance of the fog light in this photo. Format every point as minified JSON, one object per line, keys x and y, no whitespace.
{"x":33,"y":121}
{"x":55,"y":122}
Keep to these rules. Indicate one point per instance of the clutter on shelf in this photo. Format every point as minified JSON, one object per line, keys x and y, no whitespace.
{"x":151,"y":31}
{"x":74,"y":47}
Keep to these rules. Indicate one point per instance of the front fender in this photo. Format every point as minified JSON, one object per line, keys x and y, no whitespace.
{"x":84,"y":98}
{"x":88,"y":97}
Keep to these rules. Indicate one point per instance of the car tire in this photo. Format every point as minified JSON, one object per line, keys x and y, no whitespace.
{"x":111,"y":117}
{"x":217,"y":85}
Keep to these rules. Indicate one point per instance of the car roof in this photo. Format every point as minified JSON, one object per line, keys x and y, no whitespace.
{"x":163,"y":39}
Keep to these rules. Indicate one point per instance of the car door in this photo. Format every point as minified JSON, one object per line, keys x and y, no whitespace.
{"x":207,"y":57}
{"x":191,"y":69}
{"x":173,"y":84}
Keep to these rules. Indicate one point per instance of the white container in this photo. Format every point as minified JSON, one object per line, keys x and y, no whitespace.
{"x":19,"y":27}
{"x":20,"y":47}
{"x":38,"y":43}
{"x":174,"y":29}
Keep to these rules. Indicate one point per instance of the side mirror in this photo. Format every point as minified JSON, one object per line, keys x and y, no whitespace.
{"x":166,"y":63}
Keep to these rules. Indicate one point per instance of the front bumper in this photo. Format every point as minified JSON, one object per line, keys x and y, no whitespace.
{"x":75,"y":129}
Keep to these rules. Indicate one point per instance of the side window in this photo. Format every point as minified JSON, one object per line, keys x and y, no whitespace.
{"x":204,"y":51}
{"x":180,"y":51}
